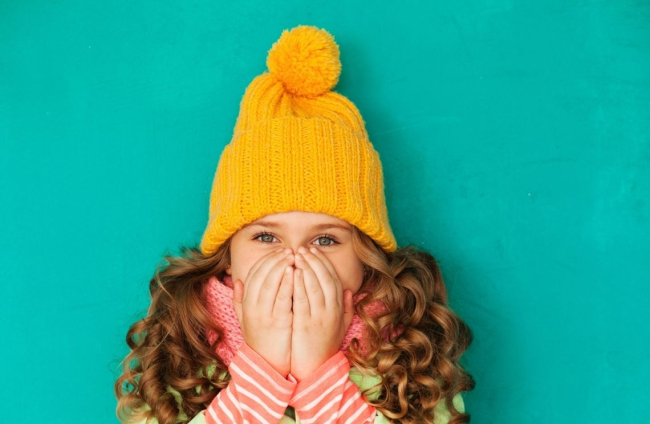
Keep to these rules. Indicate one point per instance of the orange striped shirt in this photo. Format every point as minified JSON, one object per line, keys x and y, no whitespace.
{"x":259,"y":394}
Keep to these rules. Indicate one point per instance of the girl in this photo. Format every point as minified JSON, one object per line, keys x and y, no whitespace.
{"x":298,"y":307}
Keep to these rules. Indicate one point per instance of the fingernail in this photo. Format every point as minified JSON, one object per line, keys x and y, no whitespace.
{"x":299,"y":256}
{"x":287,"y":250}
{"x":302,"y":250}
{"x":312,"y":249}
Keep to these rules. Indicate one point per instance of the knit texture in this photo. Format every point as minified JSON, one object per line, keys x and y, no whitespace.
{"x":218,"y":297}
{"x":298,"y":146}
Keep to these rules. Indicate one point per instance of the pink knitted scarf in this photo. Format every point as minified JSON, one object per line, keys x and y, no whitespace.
{"x":218,"y":297}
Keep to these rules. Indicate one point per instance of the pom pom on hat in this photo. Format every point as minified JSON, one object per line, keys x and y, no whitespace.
{"x":306,"y":60}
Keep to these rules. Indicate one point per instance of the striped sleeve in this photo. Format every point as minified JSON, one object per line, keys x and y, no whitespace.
{"x":256,"y":393}
{"x":330,"y":396}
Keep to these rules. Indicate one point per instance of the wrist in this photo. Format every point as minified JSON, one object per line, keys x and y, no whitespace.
{"x":281,"y":367}
{"x":304,"y":370}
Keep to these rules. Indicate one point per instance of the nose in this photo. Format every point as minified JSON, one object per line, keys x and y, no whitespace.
{"x":294,"y":247}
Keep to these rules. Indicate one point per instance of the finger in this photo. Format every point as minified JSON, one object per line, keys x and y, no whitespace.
{"x":255,"y":279}
{"x":312,"y":285}
{"x":330,"y":268}
{"x":261,"y":260}
{"x":269,"y":256}
{"x":282,"y":304}
{"x":331,"y":288}
{"x":348,"y":308}
{"x":300,"y":298}
{"x":250,"y":290}
{"x":269,"y":289}
{"x":237,"y":298}
{"x":320,"y":255}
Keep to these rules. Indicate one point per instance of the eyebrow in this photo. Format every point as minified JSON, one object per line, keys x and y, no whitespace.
{"x":272,"y":224}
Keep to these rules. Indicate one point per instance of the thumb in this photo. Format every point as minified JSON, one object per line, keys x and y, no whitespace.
{"x":348,"y":308}
{"x":237,"y":299}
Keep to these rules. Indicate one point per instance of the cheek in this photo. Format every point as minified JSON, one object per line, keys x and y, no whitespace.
{"x":350,"y":274}
{"x":244,"y":268}
{"x":242,"y":262}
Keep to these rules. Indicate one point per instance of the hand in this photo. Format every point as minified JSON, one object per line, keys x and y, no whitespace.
{"x":263,"y":308}
{"x":322,"y":313}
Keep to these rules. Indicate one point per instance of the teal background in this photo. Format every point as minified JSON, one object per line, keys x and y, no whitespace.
{"x":515,"y":142}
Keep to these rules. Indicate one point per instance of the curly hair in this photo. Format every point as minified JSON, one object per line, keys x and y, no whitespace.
{"x":419,"y":365}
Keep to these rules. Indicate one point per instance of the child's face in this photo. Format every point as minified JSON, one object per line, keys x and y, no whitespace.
{"x":292,"y":230}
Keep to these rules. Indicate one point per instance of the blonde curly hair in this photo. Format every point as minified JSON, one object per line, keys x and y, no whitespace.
{"x":418,"y":368}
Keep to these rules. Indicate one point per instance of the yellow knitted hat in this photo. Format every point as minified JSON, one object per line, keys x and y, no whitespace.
{"x":298,"y":146}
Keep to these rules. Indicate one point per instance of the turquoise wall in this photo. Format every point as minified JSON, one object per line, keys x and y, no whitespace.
{"x":515,"y":138}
